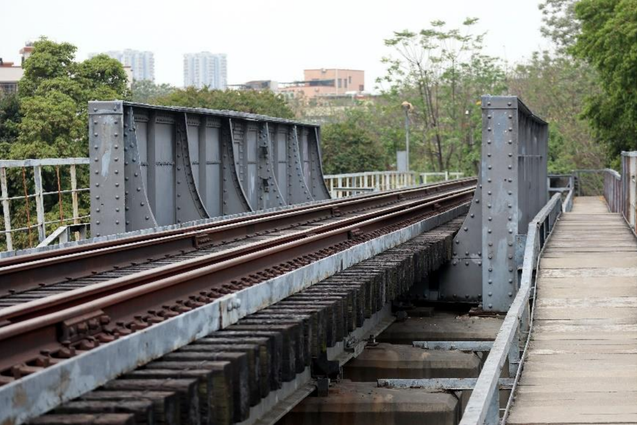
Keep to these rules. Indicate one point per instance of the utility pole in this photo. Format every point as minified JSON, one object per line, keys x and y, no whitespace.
{"x":407,"y":107}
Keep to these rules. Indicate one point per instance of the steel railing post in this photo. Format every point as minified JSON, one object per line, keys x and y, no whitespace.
{"x":39,"y":202}
{"x":5,"y":209}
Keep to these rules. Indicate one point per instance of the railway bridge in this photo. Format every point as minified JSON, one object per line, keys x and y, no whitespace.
{"x":223,"y":285}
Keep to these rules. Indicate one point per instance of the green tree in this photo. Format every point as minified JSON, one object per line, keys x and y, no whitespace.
{"x":54,"y":94}
{"x":9,"y":122}
{"x":145,"y":91}
{"x":350,"y":147}
{"x":255,"y":102}
{"x":608,"y":41}
{"x":49,"y":118}
{"x":555,"y":88}
{"x":560,"y":25}
{"x":443,"y":73}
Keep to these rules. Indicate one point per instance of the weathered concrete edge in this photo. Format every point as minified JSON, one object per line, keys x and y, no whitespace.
{"x":36,"y":394}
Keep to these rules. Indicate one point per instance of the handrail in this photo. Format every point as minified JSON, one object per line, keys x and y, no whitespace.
{"x":484,"y":406}
{"x":340,"y":185}
{"x":38,"y":196}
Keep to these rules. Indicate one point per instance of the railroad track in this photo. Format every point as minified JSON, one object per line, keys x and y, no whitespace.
{"x":26,"y":278}
{"x":190,"y":270}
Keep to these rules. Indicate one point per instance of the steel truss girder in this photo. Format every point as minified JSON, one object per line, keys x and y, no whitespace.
{"x":512,"y":188}
{"x":154,"y":166}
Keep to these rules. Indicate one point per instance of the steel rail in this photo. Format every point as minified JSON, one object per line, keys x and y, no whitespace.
{"x":28,"y":272}
{"x":34,"y":332}
{"x":98,"y":289}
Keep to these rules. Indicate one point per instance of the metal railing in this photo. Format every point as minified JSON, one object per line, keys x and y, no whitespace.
{"x":619,"y":190}
{"x":484,"y":404}
{"x":341,"y":185}
{"x":33,"y":191}
{"x":565,"y":185}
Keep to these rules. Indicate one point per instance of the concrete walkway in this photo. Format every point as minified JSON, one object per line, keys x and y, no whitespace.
{"x":582,"y":361}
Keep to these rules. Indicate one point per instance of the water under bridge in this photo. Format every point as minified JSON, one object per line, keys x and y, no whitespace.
{"x":224,"y":282}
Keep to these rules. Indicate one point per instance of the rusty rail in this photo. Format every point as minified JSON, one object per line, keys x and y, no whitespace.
{"x":43,"y":340}
{"x":30,"y":271}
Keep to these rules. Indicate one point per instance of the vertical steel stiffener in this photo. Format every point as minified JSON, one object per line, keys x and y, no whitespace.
{"x":512,"y":189}
{"x":155,"y":166}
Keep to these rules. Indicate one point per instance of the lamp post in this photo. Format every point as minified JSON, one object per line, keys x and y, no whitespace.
{"x":407,"y":107}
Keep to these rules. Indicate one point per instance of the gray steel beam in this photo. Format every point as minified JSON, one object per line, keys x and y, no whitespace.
{"x":512,"y":189}
{"x":106,"y":128}
{"x":187,"y":164}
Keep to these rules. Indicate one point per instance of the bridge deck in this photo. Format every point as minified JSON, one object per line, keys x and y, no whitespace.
{"x":582,"y":362}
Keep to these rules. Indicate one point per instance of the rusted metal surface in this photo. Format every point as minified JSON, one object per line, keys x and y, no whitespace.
{"x":370,"y":233}
{"x":262,"y":353}
{"x":41,"y":270}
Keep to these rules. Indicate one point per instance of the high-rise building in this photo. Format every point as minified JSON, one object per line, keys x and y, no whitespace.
{"x":141,"y":63}
{"x":206,"y":69}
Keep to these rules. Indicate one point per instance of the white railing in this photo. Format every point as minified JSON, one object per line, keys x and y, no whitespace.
{"x":30,"y":189}
{"x":341,"y":185}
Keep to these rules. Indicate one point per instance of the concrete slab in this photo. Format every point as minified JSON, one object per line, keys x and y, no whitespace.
{"x":442,"y":326}
{"x":406,"y":362}
{"x":363,"y":403}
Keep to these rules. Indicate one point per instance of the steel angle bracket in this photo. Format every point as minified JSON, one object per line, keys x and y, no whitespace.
{"x":317,"y":184}
{"x":270,"y":193}
{"x":234,"y":199}
{"x":461,"y":279}
{"x":189,"y":204}
{"x":298,"y":191}
{"x":138,"y":212}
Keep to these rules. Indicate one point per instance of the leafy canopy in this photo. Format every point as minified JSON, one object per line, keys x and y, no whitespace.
{"x":349,"y":146}
{"x":252,"y":101}
{"x":442,"y":72}
{"x":608,"y":41}
{"x":53,"y":96}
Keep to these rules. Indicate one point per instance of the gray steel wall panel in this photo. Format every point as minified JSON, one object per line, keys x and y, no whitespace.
{"x":185,"y":164}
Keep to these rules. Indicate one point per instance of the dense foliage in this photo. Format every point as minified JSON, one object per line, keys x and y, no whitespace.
{"x":442,"y":72}
{"x":350,"y":146}
{"x":252,"y":101}
{"x":145,"y":91}
{"x":49,"y":118}
{"x":608,"y":41}
{"x":54,"y":95}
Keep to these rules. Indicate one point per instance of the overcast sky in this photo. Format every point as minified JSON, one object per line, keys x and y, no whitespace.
{"x":263,"y":39}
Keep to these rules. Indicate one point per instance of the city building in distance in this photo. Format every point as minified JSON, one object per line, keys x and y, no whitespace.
{"x":324,"y":82}
{"x":10,"y":73}
{"x":206,"y":69}
{"x":141,"y":63}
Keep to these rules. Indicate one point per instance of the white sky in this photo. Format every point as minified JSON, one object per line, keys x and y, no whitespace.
{"x":263,"y":39}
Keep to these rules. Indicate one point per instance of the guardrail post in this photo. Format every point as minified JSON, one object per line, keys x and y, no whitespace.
{"x":6,"y":211}
{"x":74,"y":198}
{"x":39,"y":202}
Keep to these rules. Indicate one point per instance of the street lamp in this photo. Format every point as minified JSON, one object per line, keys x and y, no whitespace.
{"x":407,"y":107}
